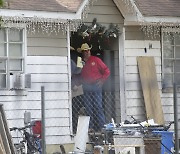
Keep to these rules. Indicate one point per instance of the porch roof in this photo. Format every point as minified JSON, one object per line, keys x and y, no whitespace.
{"x":146,"y":7}
{"x":134,"y":11}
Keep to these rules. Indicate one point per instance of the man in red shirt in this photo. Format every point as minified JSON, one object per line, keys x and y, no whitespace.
{"x":94,"y":73}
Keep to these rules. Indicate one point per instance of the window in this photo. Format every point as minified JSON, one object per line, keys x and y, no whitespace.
{"x":171,"y":59}
{"x":12,"y":47}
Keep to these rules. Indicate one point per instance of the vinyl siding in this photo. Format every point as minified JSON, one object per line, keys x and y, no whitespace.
{"x":135,"y":42}
{"x":47,"y":44}
{"x":47,"y":62}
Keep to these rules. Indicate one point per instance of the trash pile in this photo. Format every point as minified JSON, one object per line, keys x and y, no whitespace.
{"x":146,"y":129}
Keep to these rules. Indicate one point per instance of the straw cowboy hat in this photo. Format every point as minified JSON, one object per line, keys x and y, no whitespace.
{"x":84,"y":47}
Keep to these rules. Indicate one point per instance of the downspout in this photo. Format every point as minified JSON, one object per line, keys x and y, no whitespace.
{"x":69,"y":79}
{"x":122,"y":76}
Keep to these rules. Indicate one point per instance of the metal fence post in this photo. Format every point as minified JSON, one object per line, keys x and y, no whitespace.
{"x":176,"y":119}
{"x":43,"y":120}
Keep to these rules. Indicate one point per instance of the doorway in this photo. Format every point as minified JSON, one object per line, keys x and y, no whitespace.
{"x":107,"y":55}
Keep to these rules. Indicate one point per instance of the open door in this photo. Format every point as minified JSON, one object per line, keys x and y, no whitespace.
{"x":108,"y":57}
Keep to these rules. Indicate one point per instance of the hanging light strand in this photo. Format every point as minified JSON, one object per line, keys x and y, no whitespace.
{"x":46,"y":25}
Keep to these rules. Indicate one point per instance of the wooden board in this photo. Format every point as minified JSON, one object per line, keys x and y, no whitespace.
{"x":150,"y":89}
{"x":5,"y":133}
{"x":81,"y":137}
{"x":2,"y":149}
{"x":4,"y":136}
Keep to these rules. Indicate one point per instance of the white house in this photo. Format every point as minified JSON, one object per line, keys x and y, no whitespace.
{"x":35,"y":39}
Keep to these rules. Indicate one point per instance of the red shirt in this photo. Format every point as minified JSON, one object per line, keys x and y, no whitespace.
{"x":94,"y":69}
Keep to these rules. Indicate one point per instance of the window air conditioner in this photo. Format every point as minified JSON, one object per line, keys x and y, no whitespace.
{"x":20,"y":81}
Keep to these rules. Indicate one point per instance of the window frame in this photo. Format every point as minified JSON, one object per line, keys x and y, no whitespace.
{"x":7,"y":58}
{"x":167,"y":88}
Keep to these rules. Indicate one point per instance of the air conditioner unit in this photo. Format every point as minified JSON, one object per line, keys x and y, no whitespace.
{"x":20,"y":81}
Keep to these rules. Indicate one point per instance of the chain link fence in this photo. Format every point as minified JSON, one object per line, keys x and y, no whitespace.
{"x":79,"y":107}
{"x":65,"y":133}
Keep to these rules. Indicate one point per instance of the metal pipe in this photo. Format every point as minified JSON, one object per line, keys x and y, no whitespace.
{"x":43,"y":120}
{"x":176,"y":119}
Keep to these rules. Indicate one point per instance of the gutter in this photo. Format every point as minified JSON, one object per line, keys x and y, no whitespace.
{"x":162,"y":19}
{"x":153,"y":20}
{"x":37,"y":14}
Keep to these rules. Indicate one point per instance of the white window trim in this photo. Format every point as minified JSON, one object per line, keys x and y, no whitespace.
{"x":170,"y":30}
{"x":24,"y":53}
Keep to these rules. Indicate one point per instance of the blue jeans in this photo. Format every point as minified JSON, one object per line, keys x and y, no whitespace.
{"x":92,"y":101}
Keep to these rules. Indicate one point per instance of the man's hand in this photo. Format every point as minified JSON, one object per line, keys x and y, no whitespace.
{"x":100,"y":83}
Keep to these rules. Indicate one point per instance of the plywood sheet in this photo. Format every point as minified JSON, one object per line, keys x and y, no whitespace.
{"x":150,"y":89}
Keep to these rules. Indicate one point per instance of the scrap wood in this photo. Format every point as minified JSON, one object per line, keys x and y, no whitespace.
{"x":81,"y":137}
{"x":131,"y":145}
{"x":2,"y":149}
{"x":4,"y":136}
{"x":147,"y":72}
{"x":5,"y":133}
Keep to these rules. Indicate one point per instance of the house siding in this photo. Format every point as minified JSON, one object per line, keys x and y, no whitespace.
{"x":47,"y":45}
{"x":47,"y":62}
{"x":135,"y":42}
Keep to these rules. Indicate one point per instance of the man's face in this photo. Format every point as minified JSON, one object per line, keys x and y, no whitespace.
{"x":86,"y":53}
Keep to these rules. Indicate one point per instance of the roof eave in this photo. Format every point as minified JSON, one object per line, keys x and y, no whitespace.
{"x":38,"y":14}
{"x":133,"y":16}
{"x":149,"y":20}
{"x":45,"y":14}
{"x":162,"y":19}
{"x":82,"y":8}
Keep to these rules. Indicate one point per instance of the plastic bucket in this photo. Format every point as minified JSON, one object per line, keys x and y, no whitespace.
{"x":167,"y":144}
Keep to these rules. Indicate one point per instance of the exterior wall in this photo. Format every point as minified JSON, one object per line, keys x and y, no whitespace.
{"x":47,"y":62}
{"x":135,"y":42}
{"x":106,"y":12}
{"x":47,"y":44}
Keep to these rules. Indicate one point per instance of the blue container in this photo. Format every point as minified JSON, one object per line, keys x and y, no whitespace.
{"x":167,"y":141}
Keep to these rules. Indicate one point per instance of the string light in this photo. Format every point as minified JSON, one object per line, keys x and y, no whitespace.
{"x":47,"y":25}
{"x":151,"y":29}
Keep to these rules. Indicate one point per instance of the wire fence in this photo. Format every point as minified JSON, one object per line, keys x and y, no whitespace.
{"x":70,"y":127}
{"x":104,"y":113}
